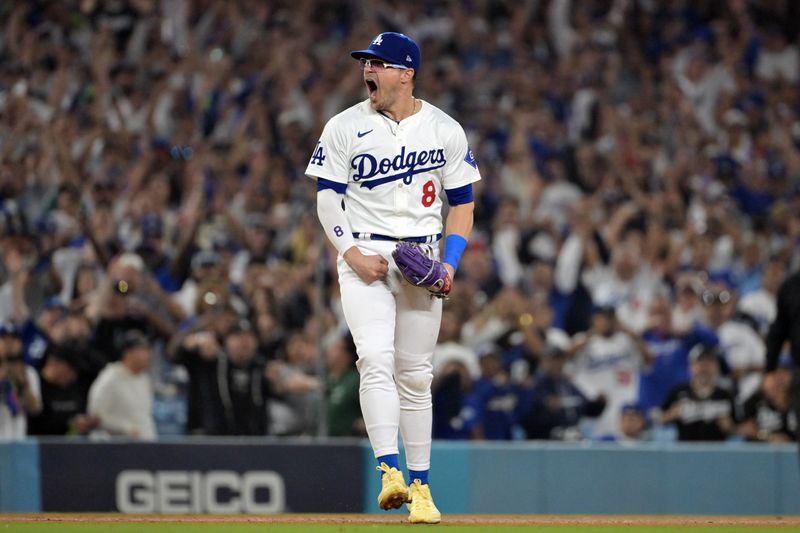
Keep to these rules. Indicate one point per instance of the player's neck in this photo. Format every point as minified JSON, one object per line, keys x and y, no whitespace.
{"x":403,"y":109}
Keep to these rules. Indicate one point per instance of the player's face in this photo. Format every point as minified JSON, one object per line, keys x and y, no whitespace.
{"x":241,"y":347}
{"x":604,"y":323}
{"x":383,"y":83}
{"x":141,"y":357}
{"x":631,"y":424}
{"x":704,"y":371}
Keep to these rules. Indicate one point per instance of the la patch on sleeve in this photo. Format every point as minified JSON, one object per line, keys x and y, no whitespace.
{"x":470,"y":158}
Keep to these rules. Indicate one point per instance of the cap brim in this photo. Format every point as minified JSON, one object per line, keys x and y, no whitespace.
{"x":367,"y":54}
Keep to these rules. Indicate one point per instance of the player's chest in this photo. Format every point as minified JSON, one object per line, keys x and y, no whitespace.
{"x":381,"y":156}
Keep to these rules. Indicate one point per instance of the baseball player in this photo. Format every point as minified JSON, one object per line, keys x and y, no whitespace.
{"x":381,"y":167}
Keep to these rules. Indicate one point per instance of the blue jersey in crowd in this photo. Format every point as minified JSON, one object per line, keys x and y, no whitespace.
{"x":670,"y":367}
{"x":494,"y":404}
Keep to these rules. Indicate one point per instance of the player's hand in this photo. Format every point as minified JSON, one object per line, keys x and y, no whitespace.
{"x":16,"y":373}
{"x":207,"y":346}
{"x":450,"y":270}
{"x":83,"y":423}
{"x":778,"y":438}
{"x":672,"y":414}
{"x":725,"y":423}
{"x":370,"y":268}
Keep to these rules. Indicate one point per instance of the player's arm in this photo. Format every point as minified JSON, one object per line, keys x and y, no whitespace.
{"x":639,"y":343}
{"x":780,"y":327}
{"x":458,"y":176}
{"x":458,"y":225}
{"x":671,"y":410}
{"x":337,"y":228}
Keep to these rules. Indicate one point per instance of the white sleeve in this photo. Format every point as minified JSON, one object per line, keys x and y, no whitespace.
{"x":568,"y":265}
{"x":329,"y":158}
{"x":333,"y":220}
{"x":560,"y":29}
{"x":742,"y":347}
{"x":506,"y":242}
{"x":461,"y":168}
{"x":33,"y":382}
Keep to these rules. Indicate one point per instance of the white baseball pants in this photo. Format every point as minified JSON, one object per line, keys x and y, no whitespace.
{"x":395,"y":327}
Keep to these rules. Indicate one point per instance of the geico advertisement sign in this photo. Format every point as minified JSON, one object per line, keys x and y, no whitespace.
{"x":215,"y":491}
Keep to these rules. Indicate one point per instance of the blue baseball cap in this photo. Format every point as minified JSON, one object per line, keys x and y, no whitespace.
{"x":53,"y":302}
{"x":394,"y":48}
{"x":7,"y":329}
{"x":632,"y":406}
{"x":636,"y":407}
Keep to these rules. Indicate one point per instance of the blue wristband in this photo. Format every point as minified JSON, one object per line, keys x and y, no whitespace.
{"x":454,"y":246}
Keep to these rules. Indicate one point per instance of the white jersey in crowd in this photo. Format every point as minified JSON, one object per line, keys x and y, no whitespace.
{"x":631,"y":298}
{"x":609,"y":366}
{"x":15,"y":426}
{"x":743,"y":349}
{"x":760,"y":305}
{"x":395,"y":172}
{"x":123,"y":402}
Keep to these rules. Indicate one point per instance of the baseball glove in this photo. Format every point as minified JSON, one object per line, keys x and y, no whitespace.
{"x":421,"y":270}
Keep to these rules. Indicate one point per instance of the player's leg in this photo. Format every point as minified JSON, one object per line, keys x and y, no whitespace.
{"x":418,"y":319}
{"x":370,"y":314}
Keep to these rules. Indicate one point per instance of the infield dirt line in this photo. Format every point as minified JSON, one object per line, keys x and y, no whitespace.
{"x":489,"y":520}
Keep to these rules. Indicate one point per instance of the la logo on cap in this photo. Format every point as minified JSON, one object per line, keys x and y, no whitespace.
{"x":378,"y":40}
{"x":408,"y":58}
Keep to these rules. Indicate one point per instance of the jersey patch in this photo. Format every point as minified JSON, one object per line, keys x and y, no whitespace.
{"x":470,"y":158}
{"x":319,"y":155}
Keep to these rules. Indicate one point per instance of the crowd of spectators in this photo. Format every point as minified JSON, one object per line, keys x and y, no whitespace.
{"x":162,"y":270}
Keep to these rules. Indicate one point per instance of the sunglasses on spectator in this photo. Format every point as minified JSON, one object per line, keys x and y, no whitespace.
{"x":10,"y":359}
{"x":181,"y":152}
{"x":710,"y":297}
{"x":378,"y":65}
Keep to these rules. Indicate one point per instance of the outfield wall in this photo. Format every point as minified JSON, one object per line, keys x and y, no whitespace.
{"x":258,"y":476}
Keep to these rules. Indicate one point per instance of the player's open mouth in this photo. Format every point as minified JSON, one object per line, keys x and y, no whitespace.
{"x":372,"y":87}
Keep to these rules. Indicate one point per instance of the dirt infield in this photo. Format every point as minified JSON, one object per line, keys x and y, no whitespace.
{"x":473,"y":520}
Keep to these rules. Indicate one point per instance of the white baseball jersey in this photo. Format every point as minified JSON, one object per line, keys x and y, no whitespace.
{"x":394,"y":171}
{"x":743,"y":348}
{"x":609,"y":366}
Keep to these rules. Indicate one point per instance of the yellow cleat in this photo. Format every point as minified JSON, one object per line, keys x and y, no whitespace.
{"x":394,"y":492}
{"x":421,"y":509}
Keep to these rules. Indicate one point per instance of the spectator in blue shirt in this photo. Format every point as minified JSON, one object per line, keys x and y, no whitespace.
{"x":670,"y":349}
{"x":553,"y":408}
{"x":494,"y":397}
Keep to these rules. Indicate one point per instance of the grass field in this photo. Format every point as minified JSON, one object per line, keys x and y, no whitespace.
{"x":73,"y":523}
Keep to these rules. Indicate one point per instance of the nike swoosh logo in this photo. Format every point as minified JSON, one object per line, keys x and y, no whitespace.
{"x":361,"y":134}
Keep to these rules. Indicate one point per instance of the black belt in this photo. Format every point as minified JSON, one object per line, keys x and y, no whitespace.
{"x":377,"y":237}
